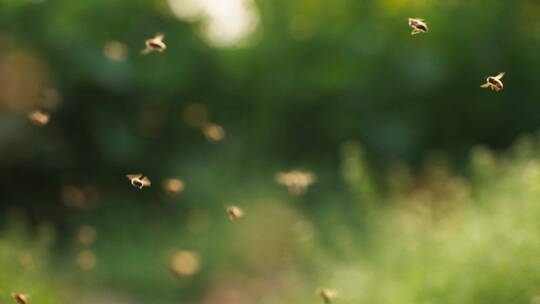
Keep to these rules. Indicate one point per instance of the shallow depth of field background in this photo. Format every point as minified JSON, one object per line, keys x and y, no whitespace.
{"x":427,"y":187}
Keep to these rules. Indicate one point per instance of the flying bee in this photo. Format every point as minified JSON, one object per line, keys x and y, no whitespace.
{"x":234,"y":212}
{"x":173,"y":186}
{"x":39,"y":118}
{"x":418,"y":25}
{"x":155,"y":44}
{"x":139,"y":180}
{"x":20,"y":298}
{"x":494,"y":82}
{"x":326,"y":294}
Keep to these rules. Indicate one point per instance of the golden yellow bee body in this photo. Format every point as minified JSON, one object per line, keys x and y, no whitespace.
{"x":39,"y":118}
{"x":155,"y":44}
{"x":234,"y":212}
{"x":418,"y":25}
{"x":20,"y":298}
{"x":326,"y":294}
{"x":139,"y":180}
{"x":494,"y":82}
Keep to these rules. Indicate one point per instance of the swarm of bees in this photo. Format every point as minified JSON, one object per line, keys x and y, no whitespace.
{"x":494,"y":82}
{"x":155,"y":44}
{"x":185,"y":263}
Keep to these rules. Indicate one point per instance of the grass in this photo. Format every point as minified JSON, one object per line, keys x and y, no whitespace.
{"x":24,"y":263}
{"x":431,"y":237}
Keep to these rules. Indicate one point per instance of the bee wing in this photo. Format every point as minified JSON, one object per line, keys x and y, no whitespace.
{"x":146,"y":50}
{"x":485,"y":85}
{"x":500,"y":76}
{"x":133,"y":176}
{"x":146,"y":181}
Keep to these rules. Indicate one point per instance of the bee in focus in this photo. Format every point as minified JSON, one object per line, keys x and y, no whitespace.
{"x":494,"y":82}
{"x":155,"y":44}
{"x":39,"y":118}
{"x":139,"y":180}
{"x":326,"y":294}
{"x":234,"y":212}
{"x":418,"y":25}
{"x":20,"y":298}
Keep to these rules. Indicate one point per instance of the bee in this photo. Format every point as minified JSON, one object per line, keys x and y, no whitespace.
{"x":234,"y":212}
{"x":155,"y":44}
{"x":418,"y":25}
{"x":20,"y":298}
{"x":213,"y":132}
{"x":494,"y":82}
{"x":326,"y":294}
{"x":173,"y":186}
{"x":39,"y":118}
{"x":296,"y":181}
{"x":139,"y":180}
{"x":184,"y":263}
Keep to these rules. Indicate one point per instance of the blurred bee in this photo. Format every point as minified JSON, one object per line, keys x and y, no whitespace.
{"x":234,"y":212}
{"x":39,"y":118}
{"x":213,"y":132}
{"x":418,"y":25}
{"x":184,"y":263}
{"x":494,"y":82}
{"x":296,"y":181}
{"x":155,"y":44}
{"x":139,"y":180}
{"x":173,"y":186}
{"x":326,"y":294}
{"x":20,"y":298}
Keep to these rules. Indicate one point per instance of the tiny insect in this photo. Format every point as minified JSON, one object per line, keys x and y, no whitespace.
{"x":20,"y":298}
{"x":326,"y":294}
{"x":418,"y":25}
{"x":139,"y":180}
{"x":155,"y":44}
{"x":173,"y":186}
{"x":184,"y":263}
{"x":234,"y":212}
{"x":39,"y":118}
{"x":494,"y":82}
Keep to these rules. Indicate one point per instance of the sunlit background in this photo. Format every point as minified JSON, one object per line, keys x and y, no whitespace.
{"x":299,"y":151}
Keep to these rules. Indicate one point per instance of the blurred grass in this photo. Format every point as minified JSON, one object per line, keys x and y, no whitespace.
{"x":428,"y":237}
{"x":24,"y":263}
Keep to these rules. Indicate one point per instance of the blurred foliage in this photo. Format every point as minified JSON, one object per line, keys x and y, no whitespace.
{"x":385,"y":221}
{"x":313,"y":75}
{"x":434,"y":237}
{"x":24,"y":260}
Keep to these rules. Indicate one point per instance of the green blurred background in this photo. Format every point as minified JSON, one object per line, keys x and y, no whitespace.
{"x":406,"y":206}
